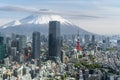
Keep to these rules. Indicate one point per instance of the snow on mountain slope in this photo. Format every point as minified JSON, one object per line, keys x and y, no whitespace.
{"x":40,"y":23}
{"x":44,"y":19}
{"x":37,"y":19}
{"x":13,"y":23}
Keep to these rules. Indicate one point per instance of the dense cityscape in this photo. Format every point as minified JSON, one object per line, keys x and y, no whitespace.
{"x":59,"y":57}
{"x":59,"y":39}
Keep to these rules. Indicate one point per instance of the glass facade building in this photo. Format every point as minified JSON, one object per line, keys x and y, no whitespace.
{"x":22,"y":42}
{"x":36,"y":45}
{"x":54,"y":40}
{"x":2,"y":48}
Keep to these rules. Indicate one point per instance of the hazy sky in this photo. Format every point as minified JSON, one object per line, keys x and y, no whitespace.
{"x":98,"y":16}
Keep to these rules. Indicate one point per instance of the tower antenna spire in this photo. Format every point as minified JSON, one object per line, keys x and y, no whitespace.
{"x":78,"y":47}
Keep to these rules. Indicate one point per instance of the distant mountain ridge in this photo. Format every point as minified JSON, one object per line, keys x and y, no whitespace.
{"x":40,"y":23}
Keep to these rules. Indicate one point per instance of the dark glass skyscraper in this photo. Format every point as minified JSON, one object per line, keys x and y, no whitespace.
{"x":2,"y":48}
{"x":36,"y":45}
{"x":93,"y":41}
{"x":54,"y":40}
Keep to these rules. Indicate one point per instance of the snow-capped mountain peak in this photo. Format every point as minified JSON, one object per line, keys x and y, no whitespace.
{"x":43,"y":19}
{"x":37,"y":19}
{"x":39,"y":23}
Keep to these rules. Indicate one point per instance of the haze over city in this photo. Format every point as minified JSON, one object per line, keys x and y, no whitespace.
{"x":97,"y":16}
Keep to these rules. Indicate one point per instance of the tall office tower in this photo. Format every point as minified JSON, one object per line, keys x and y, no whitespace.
{"x":8,"y":41}
{"x":86,"y":38}
{"x":8,"y":45}
{"x":13,"y":53}
{"x":1,"y":40}
{"x":93,"y":41}
{"x":103,"y":46}
{"x":62,"y":56}
{"x":108,"y":42}
{"x":2,"y":48}
{"x":54,"y":40}
{"x":15,"y":43}
{"x":36,"y":45}
{"x":22,"y":42}
{"x":73,"y":40}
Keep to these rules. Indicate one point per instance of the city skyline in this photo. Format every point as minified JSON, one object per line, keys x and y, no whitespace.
{"x":101,"y":17}
{"x":61,"y":57}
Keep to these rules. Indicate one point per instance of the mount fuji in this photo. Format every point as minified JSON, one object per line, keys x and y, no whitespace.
{"x":40,"y":23}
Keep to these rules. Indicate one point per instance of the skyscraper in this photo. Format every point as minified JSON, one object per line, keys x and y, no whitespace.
{"x":2,"y":48}
{"x":36,"y":45}
{"x":1,"y":40}
{"x":108,"y":42}
{"x":86,"y":38}
{"x":22,"y":42}
{"x":15,"y":43}
{"x":54,"y":40}
{"x":93,"y":41}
